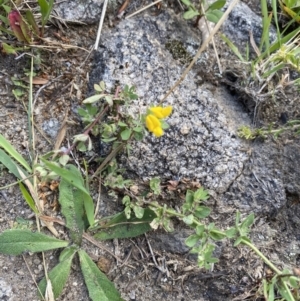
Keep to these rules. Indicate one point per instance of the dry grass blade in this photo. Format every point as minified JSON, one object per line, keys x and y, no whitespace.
{"x":31,"y":274}
{"x":101,"y":24}
{"x":142,"y":9}
{"x":202,"y":48}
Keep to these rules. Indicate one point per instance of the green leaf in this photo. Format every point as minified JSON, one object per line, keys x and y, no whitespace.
{"x":216,"y":234}
{"x":214,"y":16}
{"x":45,"y":9}
{"x":192,"y":240}
{"x":231,"y":232}
{"x":44,"y":6}
{"x":186,"y":2}
{"x":138,"y":136}
{"x":13,"y":153}
{"x":109,"y":100}
{"x":271,"y":293}
{"x":190,"y":14}
{"x":11,"y":165}
{"x":127,"y":212}
{"x":138,"y":211}
{"x":248,"y":221}
{"x":188,"y":219}
{"x":241,"y":240}
{"x":138,"y":129}
{"x":200,"y":195}
{"x":202,"y":212}
{"x":71,"y":200}
{"x":76,"y":180}
{"x":60,"y":273}
{"x":189,"y":197}
{"x":30,"y":19}
{"x":122,"y":124}
{"x":285,"y":293}
{"x":126,"y":200}
{"x":155,"y":185}
{"x":294,"y":282}
{"x":125,"y":135}
{"x":238,"y":241}
{"x":93,"y":99}
{"x":28,"y":198}
{"x":102,"y":85}
{"x":217,"y":5}
{"x":15,"y":242}
{"x":8,"y":49}
{"x":199,"y":230}
{"x":99,"y":286}
{"x":121,"y":227}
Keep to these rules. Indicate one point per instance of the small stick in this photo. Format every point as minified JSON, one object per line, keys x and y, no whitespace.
{"x":101,"y":24}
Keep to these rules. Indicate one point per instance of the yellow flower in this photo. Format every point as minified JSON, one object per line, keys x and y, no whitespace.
{"x":161,"y":112}
{"x":154,"y":125}
{"x":158,"y":132}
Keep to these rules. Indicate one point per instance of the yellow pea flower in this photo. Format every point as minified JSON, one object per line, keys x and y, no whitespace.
{"x":155,"y":114}
{"x":158,"y":132}
{"x":152,"y":122}
{"x":153,"y":125}
{"x":161,"y":112}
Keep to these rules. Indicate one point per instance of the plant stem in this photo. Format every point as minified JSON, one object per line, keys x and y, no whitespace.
{"x":262,"y":256}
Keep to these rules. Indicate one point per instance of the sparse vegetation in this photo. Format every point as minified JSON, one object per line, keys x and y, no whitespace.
{"x":143,"y":209}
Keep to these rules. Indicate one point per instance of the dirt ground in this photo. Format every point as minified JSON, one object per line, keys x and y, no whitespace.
{"x":236,"y":277}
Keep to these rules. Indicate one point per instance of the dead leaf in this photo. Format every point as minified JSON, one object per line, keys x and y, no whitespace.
{"x":62,"y":133}
{"x":39,"y":80}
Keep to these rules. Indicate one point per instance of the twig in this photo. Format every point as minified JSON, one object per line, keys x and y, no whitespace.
{"x":101,"y":24}
{"x":213,"y":41}
{"x":43,"y":87}
{"x":123,"y":7}
{"x":32,"y":276}
{"x":203,"y":46}
{"x":161,"y":269}
{"x":143,"y":8}
{"x":97,"y":244}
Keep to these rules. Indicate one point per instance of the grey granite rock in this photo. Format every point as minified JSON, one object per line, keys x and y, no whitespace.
{"x":51,"y":127}
{"x":241,"y":21}
{"x":6,"y":293}
{"x":201,"y":142}
{"x":86,"y":11}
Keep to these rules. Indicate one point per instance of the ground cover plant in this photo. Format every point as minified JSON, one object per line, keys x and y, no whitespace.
{"x":141,"y":213}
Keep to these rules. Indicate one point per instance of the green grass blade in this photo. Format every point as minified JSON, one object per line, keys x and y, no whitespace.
{"x":275,"y":46}
{"x":15,"y":242}
{"x":13,"y":153}
{"x":264,"y":42}
{"x":29,"y":200}
{"x":234,"y":49}
{"x":45,"y":9}
{"x":99,"y":286}
{"x":60,"y":273}
{"x":11,"y":165}
{"x":274,"y":8}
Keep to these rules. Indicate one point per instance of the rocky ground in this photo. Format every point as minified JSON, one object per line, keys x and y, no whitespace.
{"x":201,"y":146}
